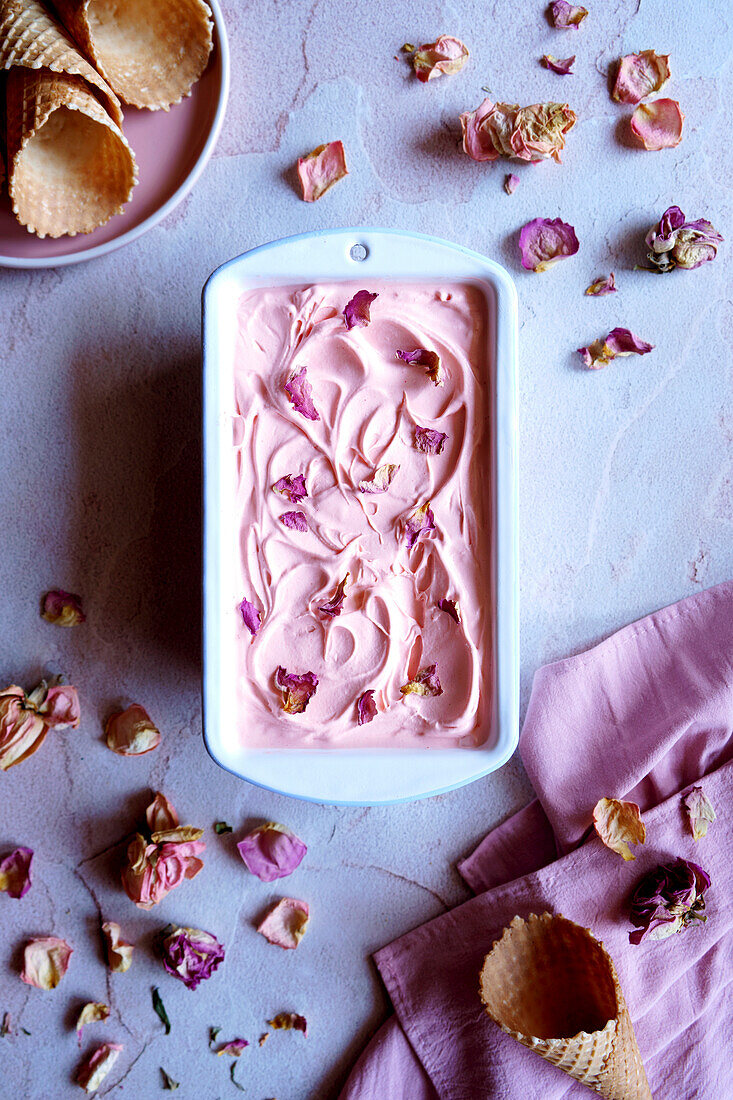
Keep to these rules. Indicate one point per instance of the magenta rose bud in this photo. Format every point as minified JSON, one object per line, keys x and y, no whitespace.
{"x":191,"y":955}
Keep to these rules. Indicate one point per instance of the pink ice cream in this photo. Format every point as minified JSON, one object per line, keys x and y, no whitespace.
{"x":370,"y":404}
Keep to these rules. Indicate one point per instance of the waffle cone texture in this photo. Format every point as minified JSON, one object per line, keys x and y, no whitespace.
{"x":553,"y":987}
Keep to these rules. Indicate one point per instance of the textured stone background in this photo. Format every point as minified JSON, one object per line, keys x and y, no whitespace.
{"x":626,"y":501}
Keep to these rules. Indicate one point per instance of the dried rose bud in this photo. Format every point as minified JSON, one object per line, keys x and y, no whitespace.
{"x":658,"y":125}
{"x":421,"y":357}
{"x":619,"y":342}
{"x":299,"y":391}
{"x":285,"y":924}
{"x":640,"y":74}
{"x":271,"y":851}
{"x":356,"y":311}
{"x":297,"y":689}
{"x":158,"y":863}
{"x":366,"y":708}
{"x":333,"y":607}
{"x":700,"y":812}
{"x":420,"y":522}
{"x":544,"y":241}
{"x":429,"y":441}
{"x":564,"y":15}
{"x":668,"y":899}
{"x":119,"y":952}
{"x":45,"y":961}
{"x":446,"y":56}
{"x":619,"y":824}
{"x":292,"y":487}
{"x":674,"y":242}
{"x":289,"y":1021}
{"x":62,"y":608}
{"x":531,"y":133}
{"x":600,"y":287}
{"x":15,"y":873}
{"x":26,"y":719}
{"x":320,"y":169}
{"x":93,"y":1070}
{"x":425,"y":682}
{"x":562,"y":68}
{"x":191,"y":955}
{"x":130,"y":732}
{"x":92,"y":1013}
{"x":381,"y":480}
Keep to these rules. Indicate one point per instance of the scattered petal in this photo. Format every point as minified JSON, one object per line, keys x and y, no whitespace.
{"x":119,"y":951}
{"x":619,"y":824}
{"x":674,"y":242}
{"x":356,"y":311}
{"x":26,"y":719}
{"x":619,"y":342}
{"x":420,"y":522}
{"x":366,"y":708}
{"x":600,"y":287}
{"x":15,"y":873}
{"x":640,"y":74}
{"x":299,"y":391}
{"x":511,"y":183}
{"x":668,"y":899}
{"x":62,"y":608}
{"x":131,"y":733}
{"x":221,"y":827}
{"x":429,"y":441}
{"x":531,"y":133}
{"x":93,"y":1070}
{"x":421,"y":357}
{"x":289,"y":1021}
{"x":426,"y":682}
{"x":160,"y":814}
{"x":168,"y":1083}
{"x":451,"y":608}
{"x":60,"y":708}
{"x":292,"y":487}
{"x":700,"y":812}
{"x":251,"y":616}
{"x":271,"y":851}
{"x":46,"y":960}
{"x":92,"y":1013}
{"x":447,"y":55}
{"x":159,"y":1008}
{"x":381,"y":479}
{"x":296,"y":521}
{"x":320,"y":169}
{"x":263,"y":1039}
{"x":233,"y":1048}
{"x":544,"y":241}
{"x":191,"y":955}
{"x":297,"y":689}
{"x":564,"y":15}
{"x":563,"y":68}
{"x":335,"y":605}
{"x":658,"y":125}
{"x":286,"y":923}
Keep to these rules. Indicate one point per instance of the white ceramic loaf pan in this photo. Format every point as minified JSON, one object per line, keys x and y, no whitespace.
{"x":353,"y":776}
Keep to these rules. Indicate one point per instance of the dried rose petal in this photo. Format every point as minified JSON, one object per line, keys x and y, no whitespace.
{"x":640,"y":74}
{"x":286,"y":923}
{"x":292,"y":487}
{"x":15,"y":873}
{"x":564,"y":15}
{"x":130,"y":732}
{"x":429,"y":441}
{"x":674,"y":242}
{"x":92,"y":1013}
{"x":426,"y":682}
{"x":421,"y":357}
{"x":289,"y":1021}
{"x":299,"y":391}
{"x":668,"y":899}
{"x":233,"y":1048}
{"x":320,"y":169}
{"x":26,"y":719}
{"x":296,"y":521}
{"x":619,"y":824}
{"x":271,"y":851}
{"x":531,"y":133}
{"x":381,"y":480}
{"x":93,"y":1070}
{"x":366,"y":708}
{"x":619,"y":342}
{"x":451,"y":608}
{"x":335,"y":605}
{"x":251,"y":616}
{"x":658,"y":125}
{"x":45,"y":961}
{"x":191,"y":955}
{"x":700,"y":812}
{"x":511,"y":183}
{"x":563,"y":68}
{"x":60,"y":707}
{"x":600,"y":287}
{"x":421,"y":521}
{"x":447,"y":55}
{"x":356,"y":311}
{"x":161,"y":814}
{"x":297,"y":689}
{"x":62,"y":608}
{"x":119,"y":952}
{"x":544,"y":241}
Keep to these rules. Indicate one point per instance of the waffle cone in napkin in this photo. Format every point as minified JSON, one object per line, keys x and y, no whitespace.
{"x":69,"y":166}
{"x":31,"y":39}
{"x":152,"y":52}
{"x":552,"y":986}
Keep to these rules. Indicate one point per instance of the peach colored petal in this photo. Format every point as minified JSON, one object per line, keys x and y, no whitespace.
{"x":700,"y":812}
{"x":658,"y":125}
{"x":45,"y":961}
{"x":286,"y":923}
{"x":119,"y":952}
{"x":320,"y":169}
{"x":619,"y":824}
{"x":93,"y":1070}
{"x":130,"y":732}
{"x":640,"y":74}
{"x":447,"y":55}
{"x":92,"y":1013}
{"x":160,"y":814}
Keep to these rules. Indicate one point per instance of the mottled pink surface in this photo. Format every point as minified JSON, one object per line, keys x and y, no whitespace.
{"x":626,"y":480}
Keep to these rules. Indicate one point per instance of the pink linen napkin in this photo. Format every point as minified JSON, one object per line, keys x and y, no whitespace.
{"x":645,"y":715}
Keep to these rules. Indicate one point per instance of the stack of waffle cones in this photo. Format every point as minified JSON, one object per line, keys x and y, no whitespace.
{"x":553,"y":987}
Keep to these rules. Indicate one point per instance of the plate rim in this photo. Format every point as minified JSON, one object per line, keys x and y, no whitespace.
{"x":94,"y":251}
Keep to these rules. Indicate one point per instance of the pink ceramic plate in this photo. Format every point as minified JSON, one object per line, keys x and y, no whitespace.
{"x":171,"y":149}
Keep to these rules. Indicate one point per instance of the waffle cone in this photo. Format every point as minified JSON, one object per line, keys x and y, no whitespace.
{"x":69,"y":166}
{"x":553,"y":987}
{"x":152,"y":52}
{"x":31,"y":39}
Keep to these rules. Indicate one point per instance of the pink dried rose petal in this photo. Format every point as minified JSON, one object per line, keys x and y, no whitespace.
{"x":15,"y":873}
{"x":161,"y":814}
{"x":674,"y":242}
{"x":564,"y":15}
{"x":299,"y":391}
{"x":320,"y":169}
{"x":531,"y":133}
{"x":451,"y":608}
{"x":296,"y":521}
{"x":600,"y":287}
{"x":333,"y":607}
{"x":130,"y":732}
{"x":292,"y":487}
{"x":619,"y":824}
{"x":93,"y":1070}
{"x":92,"y":1013}
{"x":544,"y":241}
{"x":421,"y":357}
{"x":446,"y":56}
{"x":60,"y":708}
{"x":658,"y":125}
{"x":297,"y":689}
{"x":700,"y":812}
{"x":286,"y":923}
{"x":62,"y":608}
{"x":118,"y":951}
{"x":381,"y":479}
{"x":251,"y":616}
{"x":271,"y":851}
{"x":45,"y":961}
{"x":619,"y":342}
{"x":26,"y":719}
{"x":356,"y":311}
{"x":289,"y":1021}
{"x":420,"y":522}
{"x":425,"y":682}
{"x":561,"y":67}
{"x":233,"y":1048}
{"x":191,"y":955}
{"x":429,"y":441}
{"x":640,"y":74}
{"x":366,"y":708}
{"x":511,"y":183}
